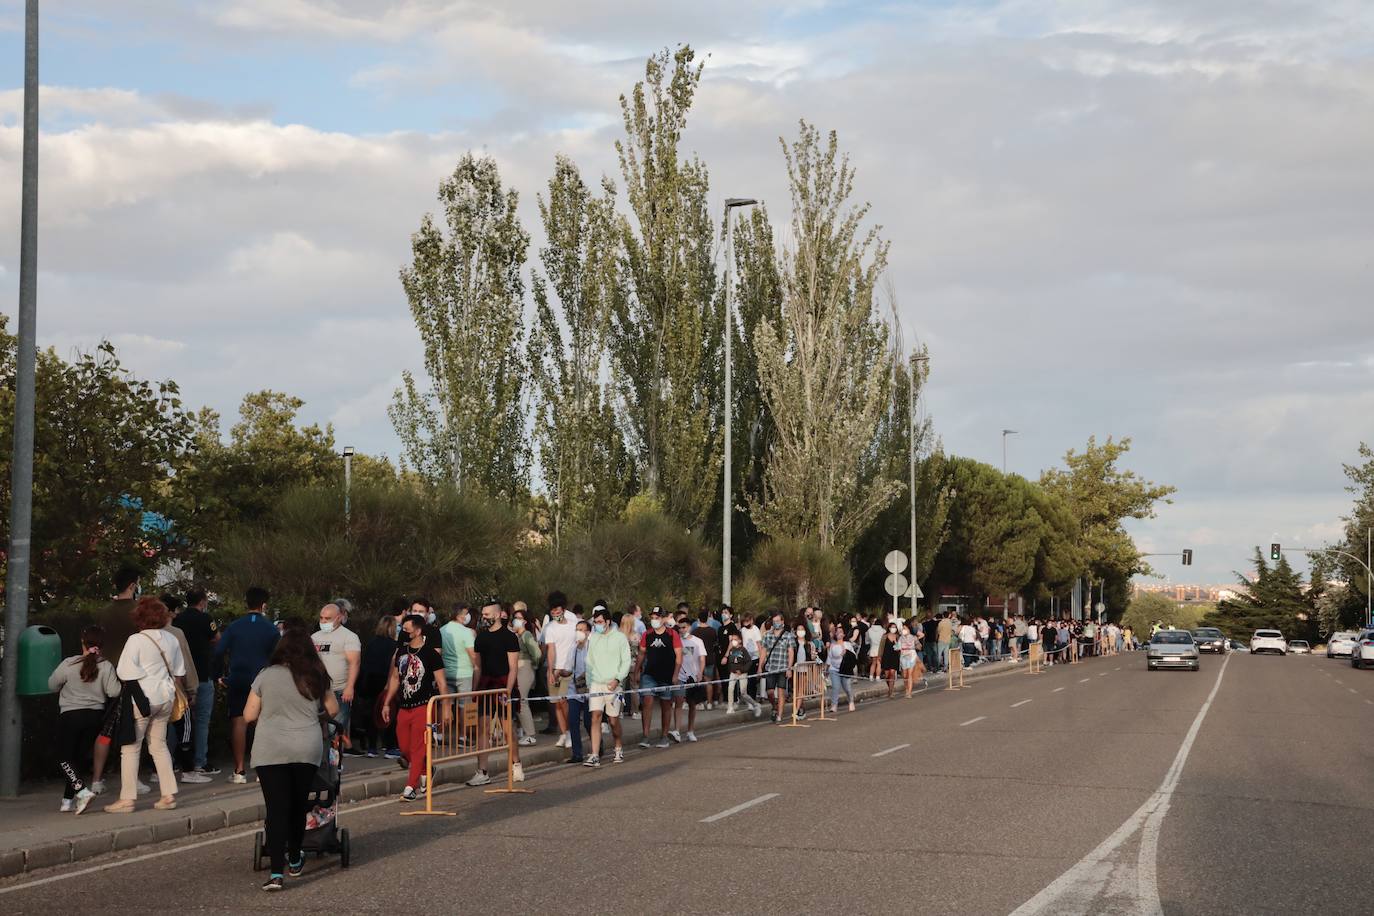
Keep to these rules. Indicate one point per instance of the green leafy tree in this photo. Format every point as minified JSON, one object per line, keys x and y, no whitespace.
{"x":1148,"y":608}
{"x":793,"y":573}
{"x":587,"y":471}
{"x":1101,"y":496}
{"x":466,"y":293}
{"x":822,"y":364}
{"x":666,"y":331}
{"x":1273,"y":599}
{"x":106,"y":445}
{"x":995,"y":531}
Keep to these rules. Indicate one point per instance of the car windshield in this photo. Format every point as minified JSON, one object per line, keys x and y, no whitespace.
{"x":1173,"y":637}
{"x":1298,"y":642}
{"x":1207,"y":633}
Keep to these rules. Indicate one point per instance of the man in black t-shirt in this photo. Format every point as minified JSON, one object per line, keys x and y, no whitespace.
{"x":200,"y":634}
{"x":498,"y":655}
{"x":417,"y":675}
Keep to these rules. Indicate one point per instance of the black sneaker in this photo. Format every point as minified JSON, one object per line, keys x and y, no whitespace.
{"x":274,"y":883}
{"x":295,"y":869}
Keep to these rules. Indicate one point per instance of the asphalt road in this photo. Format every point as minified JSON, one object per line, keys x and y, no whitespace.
{"x":1093,"y":788}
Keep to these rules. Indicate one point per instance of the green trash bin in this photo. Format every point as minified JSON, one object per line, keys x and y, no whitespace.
{"x":40,"y":652}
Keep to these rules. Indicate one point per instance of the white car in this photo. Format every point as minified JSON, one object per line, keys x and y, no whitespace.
{"x":1363,"y":652}
{"x":1269,"y":641}
{"x":1299,"y":647}
{"x":1342,"y":643}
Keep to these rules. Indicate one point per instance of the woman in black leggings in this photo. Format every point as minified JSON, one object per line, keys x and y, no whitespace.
{"x":83,"y":683}
{"x":285,"y":701}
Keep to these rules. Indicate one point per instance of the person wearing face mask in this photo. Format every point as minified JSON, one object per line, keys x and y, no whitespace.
{"x":689,"y":691}
{"x":841,"y":661}
{"x":738,"y":663}
{"x":573,"y":675}
{"x":417,"y":674}
{"x":660,"y":661}
{"x":891,"y":656}
{"x":530,"y":654}
{"x":778,"y":654}
{"x":456,"y":639}
{"x":908,"y":645}
{"x":559,"y":636}
{"x":341,"y":652}
{"x":608,"y":664}
{"x":498,"y":659}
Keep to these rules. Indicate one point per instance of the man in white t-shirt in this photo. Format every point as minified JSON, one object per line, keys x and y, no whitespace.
{"x":559,"y":636}
{"x":342,"y":653}
{"x":968,"y":635}
{"x":688,"y":676}
{"x":751,"y":637}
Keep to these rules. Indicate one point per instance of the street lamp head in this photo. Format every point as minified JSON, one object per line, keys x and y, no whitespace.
{"x":348,"y":451}
{"x":1008,"y":432}
{"x":732,"y":202}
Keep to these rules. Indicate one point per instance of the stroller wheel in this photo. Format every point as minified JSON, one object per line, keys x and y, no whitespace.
{"x":345,"y":848}
{"x":257,"y":851}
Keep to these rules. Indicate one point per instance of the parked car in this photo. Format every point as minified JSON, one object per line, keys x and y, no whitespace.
{"x":1342,"y":643}
{"x":1210,"y":639}
{"x":1363,"y":652}
{"x":1171,"y":649}
{"x":1268,"y":641}
{"x":1299,"y":647}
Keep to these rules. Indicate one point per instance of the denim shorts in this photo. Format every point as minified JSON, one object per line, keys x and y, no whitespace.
{"x":652,"y":688}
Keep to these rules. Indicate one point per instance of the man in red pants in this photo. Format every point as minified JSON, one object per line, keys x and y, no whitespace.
{"x":417,"y":673}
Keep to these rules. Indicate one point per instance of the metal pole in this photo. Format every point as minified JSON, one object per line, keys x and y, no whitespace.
{"x":727,"y":517}
{"x":21,"y":466}
{"x":911,"y":442}
{"x":348,"y":487}
{"x":1368,"y":577}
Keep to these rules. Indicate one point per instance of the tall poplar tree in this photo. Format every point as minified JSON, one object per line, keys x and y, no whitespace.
{"x":666,"y":332}
{"x":466,"y":292}
{"x":586,"y":469}
{"x":823,"y":366}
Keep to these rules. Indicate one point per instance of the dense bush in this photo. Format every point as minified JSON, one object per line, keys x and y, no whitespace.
{"x":792,"y":574}
{"x":403,"y":539}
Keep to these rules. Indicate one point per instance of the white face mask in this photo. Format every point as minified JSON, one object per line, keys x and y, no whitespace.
{"x":429,"y":618}
{"x":519,"y":623}
{"x":326,"y":627}
{"x":581,"y":636}
{"x":467,"y":618}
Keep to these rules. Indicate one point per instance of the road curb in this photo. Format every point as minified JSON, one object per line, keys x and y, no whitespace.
{"x":247,"y":811}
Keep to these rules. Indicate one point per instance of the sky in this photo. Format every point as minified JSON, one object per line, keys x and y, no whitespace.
{"x":1107,"y":217}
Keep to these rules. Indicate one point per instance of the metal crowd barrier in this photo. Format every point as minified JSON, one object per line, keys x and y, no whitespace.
{"x":808,"y":683}
{"x":467,"y":725}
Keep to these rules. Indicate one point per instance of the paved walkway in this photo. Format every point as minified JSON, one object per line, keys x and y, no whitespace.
{"x":37,"y":836}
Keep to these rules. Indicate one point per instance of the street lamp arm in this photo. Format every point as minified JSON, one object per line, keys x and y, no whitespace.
{"x":1363,"y":564}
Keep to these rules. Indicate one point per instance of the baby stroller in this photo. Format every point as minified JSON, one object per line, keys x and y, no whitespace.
{"x":322,"y":833}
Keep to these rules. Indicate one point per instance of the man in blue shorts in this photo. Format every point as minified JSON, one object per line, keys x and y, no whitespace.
{"x":659,"y":663}
{"x":248,"y":642}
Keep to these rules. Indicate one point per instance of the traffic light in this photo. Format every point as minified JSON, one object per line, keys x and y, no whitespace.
{"x":1187,"y":557}
{"x":1275,"y":551}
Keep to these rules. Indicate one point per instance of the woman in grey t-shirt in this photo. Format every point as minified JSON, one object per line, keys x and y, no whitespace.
{"x":285,"y":702}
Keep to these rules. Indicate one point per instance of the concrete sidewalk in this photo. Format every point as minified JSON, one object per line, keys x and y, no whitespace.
{"x":37,"y":836}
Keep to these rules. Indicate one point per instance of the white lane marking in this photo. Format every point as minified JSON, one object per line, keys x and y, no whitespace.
{"x":971,"y":721}
{"x":1089,"y":884}
{"x":1339,"y":681}
{"x":1085,"y":680}
{"x":1103,"y":674}
{"x":1022,"y":703}
{"x":187,"y":848}
{"x":743,"y":806}
{"x":1370,"y":702}
{"x":1117,"y":668}
{"x":1056,"y":690}
{"x":1352,"y":689}
{"x":891,"y":750}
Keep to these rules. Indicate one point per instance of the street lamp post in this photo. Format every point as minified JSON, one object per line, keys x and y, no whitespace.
{"x":1005,"y":433}
{"x":348,"y":485}
{"x":727,"y":514}
{"x":911,"y":443}
{"x":21,"y":464}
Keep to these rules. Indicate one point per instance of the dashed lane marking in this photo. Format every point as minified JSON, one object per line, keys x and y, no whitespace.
{"x":891,"y":750}
{"x":1022,"y":703}
{"x":743,"y":806}
{"x":971,"y":721}
{"x":1056,"y":690}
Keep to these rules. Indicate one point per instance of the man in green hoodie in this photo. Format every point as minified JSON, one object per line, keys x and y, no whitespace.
{"x":608,"y":662}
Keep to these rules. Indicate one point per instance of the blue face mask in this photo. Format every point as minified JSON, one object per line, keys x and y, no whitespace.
{"x":599,"y":627}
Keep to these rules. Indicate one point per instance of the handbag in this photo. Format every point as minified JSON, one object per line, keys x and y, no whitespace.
{"x":179,"y":701}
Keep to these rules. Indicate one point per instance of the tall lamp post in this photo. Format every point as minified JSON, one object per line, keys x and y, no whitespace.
{"x":727,"y":514}
{"x":911,"y":443}
{"x":21,"y":464}
{"x":1005,"y":433}
{"x":348,"y":485}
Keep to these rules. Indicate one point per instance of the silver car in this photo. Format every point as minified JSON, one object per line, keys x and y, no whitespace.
{"x":1342,"y":643}
{"x":1172,"y":649}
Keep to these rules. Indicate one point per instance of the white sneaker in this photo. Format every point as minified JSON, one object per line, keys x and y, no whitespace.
{"x":408,"y":794}
{"x":83,"y":798}
{"x":527,"y":741}
{"x":98,"y":788}
{"x":675,"y":735}
{"x":518,"y":772}
{"x":238,"y":779}
{"x":758,"y":711}
{"x":424,"y":783}
{"x":729,"y":710}
{"x":564,"y":740}
{"x":605,"y":728}
{"x":195,"y":776}
{"x":619,"y":756}
{"x":480,"y":778}
{"x":144,"y":788}
{"x":692,"y":736}
{"x":634,"y":715}
{"x":68,"y":806}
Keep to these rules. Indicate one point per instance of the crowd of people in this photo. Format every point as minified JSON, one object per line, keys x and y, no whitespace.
{"x":149,"y":669}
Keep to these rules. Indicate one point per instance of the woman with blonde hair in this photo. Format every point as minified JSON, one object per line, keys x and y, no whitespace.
{"x":627,"y":626}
